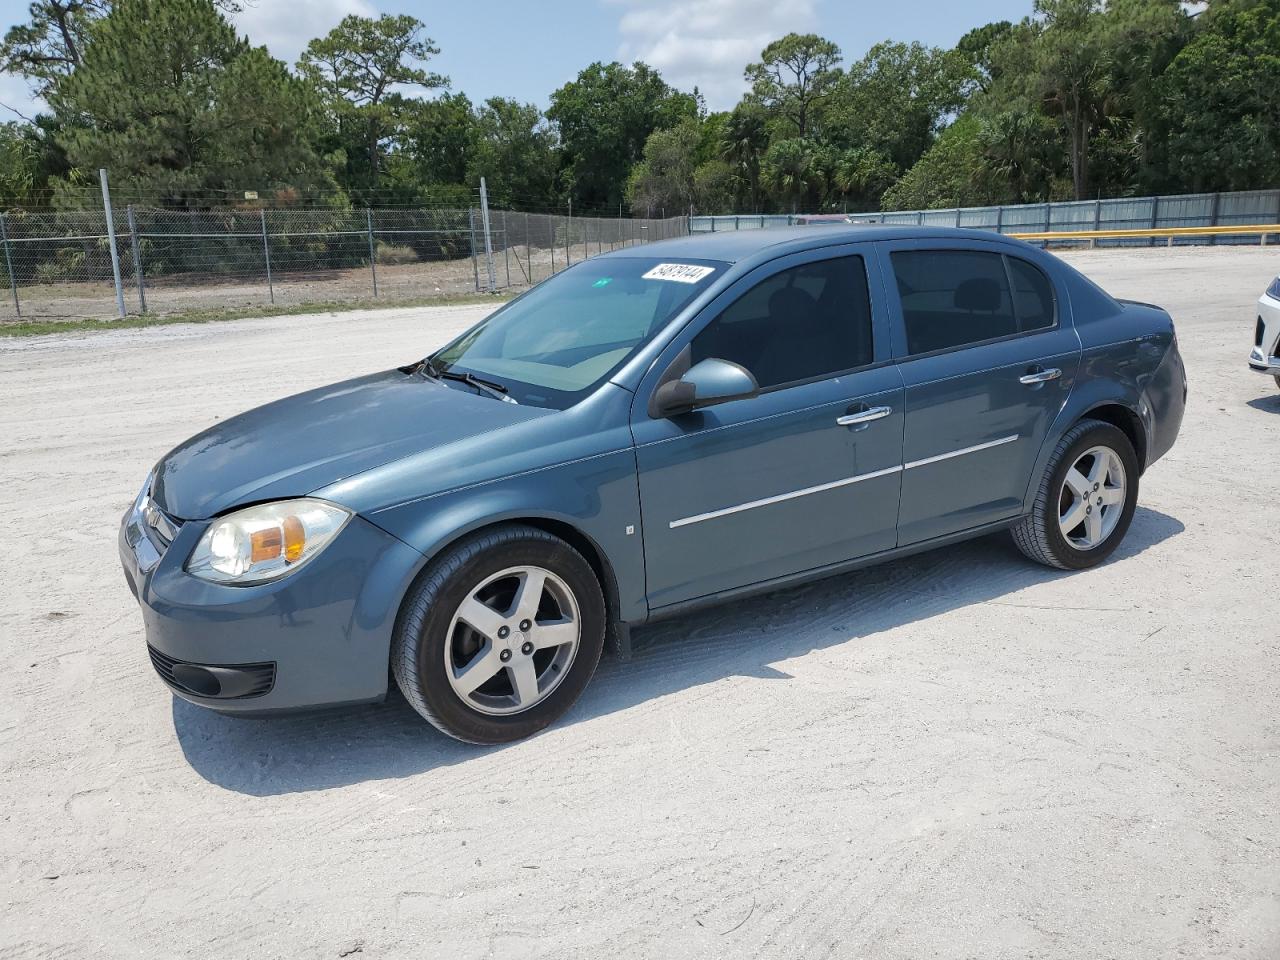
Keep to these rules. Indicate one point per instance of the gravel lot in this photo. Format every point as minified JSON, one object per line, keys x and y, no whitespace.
{"x":957,"y":755}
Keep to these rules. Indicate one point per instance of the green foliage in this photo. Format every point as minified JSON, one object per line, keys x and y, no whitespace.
{"x":357,"y":68}
{"x":605,"y":117}
{"x":180,"y":108}
{"x":1221,"y":100}
{"x":514,"y":149}
{"x":896,"y":98}
{"x":49,"y":45}
{"x":793,"y":78}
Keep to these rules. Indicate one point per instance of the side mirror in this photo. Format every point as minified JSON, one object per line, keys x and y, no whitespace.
{"x":704,"y":384}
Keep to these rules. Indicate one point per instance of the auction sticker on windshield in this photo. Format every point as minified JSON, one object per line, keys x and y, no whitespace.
{"x":679,"y":272}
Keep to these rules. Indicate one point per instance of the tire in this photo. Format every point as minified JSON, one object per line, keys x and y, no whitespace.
{"x":1040,"y":535}
{"x":1278,"y":379}
{"x":435,"y":642}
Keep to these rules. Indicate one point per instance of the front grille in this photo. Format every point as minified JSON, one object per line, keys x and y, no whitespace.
{"x":161,"y":528}
{"x":251,"y":679}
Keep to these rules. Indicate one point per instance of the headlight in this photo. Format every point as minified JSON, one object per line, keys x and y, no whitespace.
{"x":1273,"y":291}
{"x":265,"y":542}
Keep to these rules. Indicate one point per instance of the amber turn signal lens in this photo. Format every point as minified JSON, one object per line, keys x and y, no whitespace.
{"x":265,"y":544}
{"x":295,"y":538}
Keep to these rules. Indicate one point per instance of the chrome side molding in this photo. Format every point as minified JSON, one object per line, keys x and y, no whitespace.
{"x":767,"y":501}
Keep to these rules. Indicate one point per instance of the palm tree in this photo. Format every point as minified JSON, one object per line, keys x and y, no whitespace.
{"x":744,"y":141}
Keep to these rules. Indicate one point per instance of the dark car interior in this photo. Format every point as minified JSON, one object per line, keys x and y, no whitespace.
{"x":806,"y":322}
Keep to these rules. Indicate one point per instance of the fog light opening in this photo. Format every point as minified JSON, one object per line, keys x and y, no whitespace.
{"x":198,"y":680}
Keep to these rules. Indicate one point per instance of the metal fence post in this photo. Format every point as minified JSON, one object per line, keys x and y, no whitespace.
{"x":999,"y":219}
{"x":488,"y":239}
{"x":475,"y":267}
{"x":506,"y":248}
{"x":266,"y":256}
{"x":111,"y":237}
{"x":568,"y":231}
{"x":373,"y":256}
{"x":8,"y":262}
{"x":137,"y":259}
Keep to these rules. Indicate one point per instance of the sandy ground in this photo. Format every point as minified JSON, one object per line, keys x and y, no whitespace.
{"x":957,"y":755}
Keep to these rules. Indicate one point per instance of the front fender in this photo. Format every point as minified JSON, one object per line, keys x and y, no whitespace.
{"x":597,"y":496}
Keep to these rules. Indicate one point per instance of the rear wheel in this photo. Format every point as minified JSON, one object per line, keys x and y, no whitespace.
{"x":500,"y":635}
{"x":1085,"y":501}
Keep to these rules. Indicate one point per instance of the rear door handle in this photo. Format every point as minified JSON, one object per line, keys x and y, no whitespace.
{"x":1040,"y":376}
{"x":864,"y":416}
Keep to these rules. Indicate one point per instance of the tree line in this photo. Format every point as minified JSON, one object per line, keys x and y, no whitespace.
{"x":1081,"y":98}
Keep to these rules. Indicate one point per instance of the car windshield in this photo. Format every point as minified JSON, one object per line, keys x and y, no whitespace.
{"x":559,"y":341}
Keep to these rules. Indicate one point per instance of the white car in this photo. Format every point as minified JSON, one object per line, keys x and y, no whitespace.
{"x":1265,"y":356}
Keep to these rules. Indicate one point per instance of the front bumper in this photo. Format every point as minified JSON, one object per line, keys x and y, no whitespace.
{"x":1261,"y":363}
{"x":318,"y":637}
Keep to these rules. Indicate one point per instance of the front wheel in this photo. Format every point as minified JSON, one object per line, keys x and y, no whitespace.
{"x":500,"y":635}
{"x":1085,"y":501}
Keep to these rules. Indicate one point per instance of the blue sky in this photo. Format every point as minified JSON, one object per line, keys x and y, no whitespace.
{"x":526,"y":48}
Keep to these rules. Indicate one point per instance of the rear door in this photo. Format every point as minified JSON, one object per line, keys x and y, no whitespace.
{"x":987,"y":361}
{"x":755,"y":489}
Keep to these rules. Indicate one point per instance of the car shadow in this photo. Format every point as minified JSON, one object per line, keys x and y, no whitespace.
{"x":325,"y":749}
{"x":1267,"y":404}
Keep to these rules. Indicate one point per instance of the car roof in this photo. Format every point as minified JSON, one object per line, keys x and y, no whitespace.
{"x":732,"y":246}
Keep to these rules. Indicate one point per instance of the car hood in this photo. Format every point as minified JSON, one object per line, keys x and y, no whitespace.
{"x":301,"y":443}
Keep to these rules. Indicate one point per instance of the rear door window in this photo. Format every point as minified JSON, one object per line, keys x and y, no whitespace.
{"x":951,"y":298}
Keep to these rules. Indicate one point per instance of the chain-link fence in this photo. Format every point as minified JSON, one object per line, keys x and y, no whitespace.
{"x":58,"y":264}
{"x":1246,"y":208}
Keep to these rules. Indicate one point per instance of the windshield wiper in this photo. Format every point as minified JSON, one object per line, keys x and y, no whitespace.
{"x":496,"y":390}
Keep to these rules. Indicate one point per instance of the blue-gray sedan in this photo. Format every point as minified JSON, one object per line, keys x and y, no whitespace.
{"x":650,"y":430}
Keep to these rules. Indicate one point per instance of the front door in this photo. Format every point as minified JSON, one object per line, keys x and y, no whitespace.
{"x":987,"y":363}
{"x":805,"y":474}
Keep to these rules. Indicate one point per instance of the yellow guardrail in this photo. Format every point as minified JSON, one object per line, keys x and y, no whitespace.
{"x":1254,"y":229}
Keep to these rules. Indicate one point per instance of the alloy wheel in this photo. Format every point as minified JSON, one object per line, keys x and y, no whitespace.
{"x":1092,"y":498}
{"x":512,"y":640}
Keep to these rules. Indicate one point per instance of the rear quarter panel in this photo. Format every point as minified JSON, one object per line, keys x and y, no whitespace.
{"x":1129,"y":358}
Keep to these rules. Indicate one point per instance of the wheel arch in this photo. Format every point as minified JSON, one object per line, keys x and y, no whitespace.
{"x":1101,"y":400}
{"x":1126,"y":420}
{"x":595,"y":555}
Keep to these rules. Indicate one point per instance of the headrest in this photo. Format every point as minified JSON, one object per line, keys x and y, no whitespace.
{"x":978,"y":293}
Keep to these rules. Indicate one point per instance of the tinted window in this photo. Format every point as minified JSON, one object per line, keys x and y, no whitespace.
{"x":953,"y":297}
{"x":1032,"y":295}
{"x":804,"y":323}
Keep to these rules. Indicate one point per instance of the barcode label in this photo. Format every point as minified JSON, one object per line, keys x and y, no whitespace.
{"x":679,"y":272}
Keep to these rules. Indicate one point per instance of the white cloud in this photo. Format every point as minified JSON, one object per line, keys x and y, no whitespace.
{"x":707,"y":43}
{"x":285,"y":27}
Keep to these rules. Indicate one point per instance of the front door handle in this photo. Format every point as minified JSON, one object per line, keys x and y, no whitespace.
{"x":1040,"y":376}
{"x":864,"y":416}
